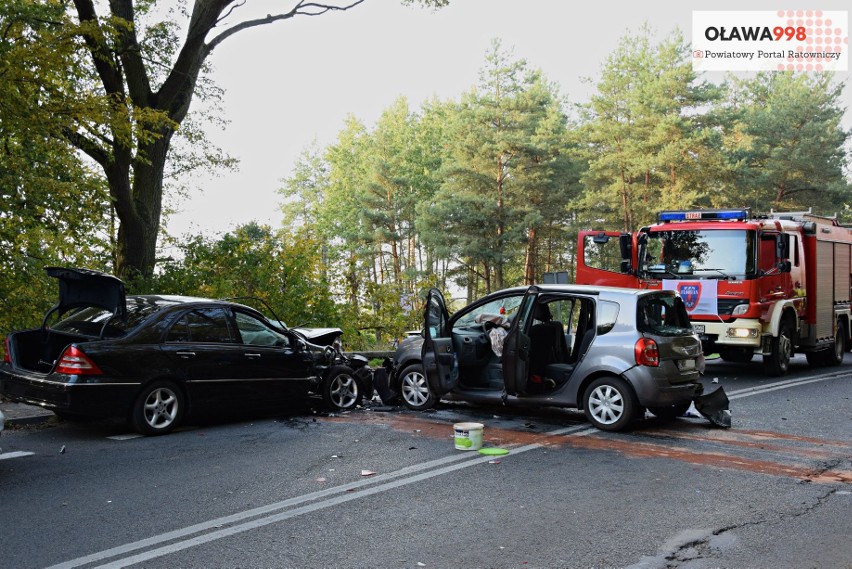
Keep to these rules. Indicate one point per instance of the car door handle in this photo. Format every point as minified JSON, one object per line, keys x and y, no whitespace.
{"x":252,"y":356}
{"x":186,"y":355}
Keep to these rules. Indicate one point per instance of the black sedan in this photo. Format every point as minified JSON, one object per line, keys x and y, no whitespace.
{"x":154,"y":359}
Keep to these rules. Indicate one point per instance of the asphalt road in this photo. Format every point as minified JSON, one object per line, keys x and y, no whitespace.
{"x":386,"y":488}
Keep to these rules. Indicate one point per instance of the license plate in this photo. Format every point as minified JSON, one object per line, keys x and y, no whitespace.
{"x":686,"y":365}
{"x":698,"y":328}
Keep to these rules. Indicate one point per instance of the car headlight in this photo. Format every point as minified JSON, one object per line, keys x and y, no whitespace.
{"x":740,"y":309}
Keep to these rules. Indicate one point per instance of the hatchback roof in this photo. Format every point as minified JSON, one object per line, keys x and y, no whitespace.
{"x":596,"y":289}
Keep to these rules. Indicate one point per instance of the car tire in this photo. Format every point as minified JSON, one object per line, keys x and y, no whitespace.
{"x":670,"y":411}
{"x":610,"y":403}
{"x":414,"y":389}
{"x":341,"y":390}
{"x":158,"y":409}
{"x":780,"y":350}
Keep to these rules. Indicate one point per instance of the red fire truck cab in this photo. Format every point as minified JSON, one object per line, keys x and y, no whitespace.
{"x":772,"y":285}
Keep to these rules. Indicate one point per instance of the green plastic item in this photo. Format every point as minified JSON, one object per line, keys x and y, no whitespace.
{"x":492,"y":451}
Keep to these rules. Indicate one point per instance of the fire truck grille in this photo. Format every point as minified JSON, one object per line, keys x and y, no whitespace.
{"x":726,"y":305}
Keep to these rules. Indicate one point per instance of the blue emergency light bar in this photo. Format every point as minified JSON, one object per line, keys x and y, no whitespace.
{"x":704,"y":215}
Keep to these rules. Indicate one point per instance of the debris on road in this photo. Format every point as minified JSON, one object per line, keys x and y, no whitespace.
{"x":715,"y":407}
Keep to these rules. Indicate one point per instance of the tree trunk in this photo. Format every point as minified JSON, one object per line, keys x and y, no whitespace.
{"x":529,"y":262}
{"x":140,"y":223}
{"x":120,"y":66}
{"x":498,"y":268}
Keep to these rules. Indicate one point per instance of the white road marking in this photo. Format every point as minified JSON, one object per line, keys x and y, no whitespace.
{"x":15,"y":454}
{"x":286,"y":509}
{"x":212,"y":530}
{"x":784,"y":384}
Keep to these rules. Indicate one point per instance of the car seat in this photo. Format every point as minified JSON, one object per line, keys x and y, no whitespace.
{"x":561,"y":370}
{"x":548,"y":350}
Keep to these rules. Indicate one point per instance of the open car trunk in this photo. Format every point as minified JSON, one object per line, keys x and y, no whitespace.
{"x":38,"y":349}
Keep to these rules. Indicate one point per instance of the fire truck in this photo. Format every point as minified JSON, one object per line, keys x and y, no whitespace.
{"x":771,"y":285}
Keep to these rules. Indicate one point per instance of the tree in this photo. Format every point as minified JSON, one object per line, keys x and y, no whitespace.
{"x":649,"y":145}
{"x":43,"y":221}
{"x":785,"y":142}
{"x":134,"y":85}
{"x":304,"y":192}
{"x":503,"y":178}
{"x":253,"y":261}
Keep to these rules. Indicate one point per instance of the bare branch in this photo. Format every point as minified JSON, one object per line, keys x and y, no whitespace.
{"x":231,"y":10}
{"x":300,"y":9}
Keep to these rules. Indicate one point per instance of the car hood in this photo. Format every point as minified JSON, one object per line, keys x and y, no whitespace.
{"x":319,"y":336}
{"x":84,"y":287}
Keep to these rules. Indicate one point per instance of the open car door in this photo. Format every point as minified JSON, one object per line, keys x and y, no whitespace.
{"x":439,"y":358}
{"x":516,"y":346}
{"x":606,"y":258}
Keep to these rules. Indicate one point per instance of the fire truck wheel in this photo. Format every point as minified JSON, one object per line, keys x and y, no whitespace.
{"x":840,"y":343}
{"x":780,"y":350}
{"x":832,"y":356}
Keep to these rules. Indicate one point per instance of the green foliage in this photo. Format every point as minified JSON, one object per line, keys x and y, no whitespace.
{"x":252,"y":261}
{"x":489,"y":191}
{"x":466,"y":195}
{"x":357,"y":199}
{"x":54,"y":210}
{"x":785,"y":144}
{"x":650,"y":136}
{"x":507,"y":176}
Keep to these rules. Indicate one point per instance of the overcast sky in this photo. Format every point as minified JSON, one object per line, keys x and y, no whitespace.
{"x":293,"y":82}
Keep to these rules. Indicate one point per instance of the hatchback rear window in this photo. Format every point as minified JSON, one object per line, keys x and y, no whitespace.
{"x":663,"y":315}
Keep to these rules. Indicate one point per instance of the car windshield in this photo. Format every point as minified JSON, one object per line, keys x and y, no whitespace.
{"x":89,"y":320}
{"x":708,"y":254}
{"x":663,"y":315}
{"x":505,"y":306}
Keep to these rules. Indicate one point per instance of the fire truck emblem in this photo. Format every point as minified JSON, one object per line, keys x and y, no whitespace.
{"x":690,"y":293}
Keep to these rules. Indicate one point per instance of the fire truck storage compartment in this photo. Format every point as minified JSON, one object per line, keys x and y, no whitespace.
{"x":831,"y":292}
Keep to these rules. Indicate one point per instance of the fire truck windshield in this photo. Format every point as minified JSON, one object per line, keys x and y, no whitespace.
{"x":691,"y":254}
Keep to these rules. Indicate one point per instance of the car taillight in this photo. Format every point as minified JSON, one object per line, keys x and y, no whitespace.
{"x":7,"y":356}
{"x":647,"y":353}
{"x":75,"y":362}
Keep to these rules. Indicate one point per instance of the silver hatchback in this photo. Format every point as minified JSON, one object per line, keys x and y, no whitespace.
{"x":610,"y":352}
